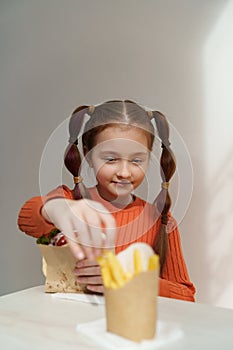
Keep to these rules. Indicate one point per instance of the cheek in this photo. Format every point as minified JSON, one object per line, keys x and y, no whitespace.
{"x":140,"y":173}
{"x":101,"y":170}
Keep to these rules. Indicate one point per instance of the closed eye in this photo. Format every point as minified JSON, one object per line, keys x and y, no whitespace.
{"x":137,"y":161}
{"x":110,"y":159}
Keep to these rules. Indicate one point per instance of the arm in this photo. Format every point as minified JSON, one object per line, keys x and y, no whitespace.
{"x":174,"y":281}
{"x":87,"y":225}
{"x":31,"y":220}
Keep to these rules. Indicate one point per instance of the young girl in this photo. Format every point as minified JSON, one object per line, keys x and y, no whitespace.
{"x":117,"y":141}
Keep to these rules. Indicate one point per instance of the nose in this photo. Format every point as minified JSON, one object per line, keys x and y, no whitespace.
{"x":124,"y":169}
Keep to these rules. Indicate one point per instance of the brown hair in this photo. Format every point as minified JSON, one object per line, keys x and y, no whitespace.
{"x":163,"y":200}
{"x":128,"y":114}
{"x":112,"y":113}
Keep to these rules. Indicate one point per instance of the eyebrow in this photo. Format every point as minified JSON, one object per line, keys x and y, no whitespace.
{"x":137,"y":154}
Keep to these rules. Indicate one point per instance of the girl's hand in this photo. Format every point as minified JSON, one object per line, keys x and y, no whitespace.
{"x":89,"y":275}
{"x":87,"y":225}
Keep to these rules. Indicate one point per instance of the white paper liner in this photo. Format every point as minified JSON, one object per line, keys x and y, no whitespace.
{"x":81,"y":297}
{"x":96,"y":331}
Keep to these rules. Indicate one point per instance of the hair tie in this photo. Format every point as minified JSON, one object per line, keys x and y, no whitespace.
{"x":150,"y":114}
{"x":91,"y":109}
{"x":164,"y":219}
{"x":165,"y":185}
{"x":165,"y":144}
{"x":78,"y":179}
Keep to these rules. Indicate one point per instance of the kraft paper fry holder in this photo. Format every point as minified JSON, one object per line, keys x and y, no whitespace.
{"x":131,"y":310}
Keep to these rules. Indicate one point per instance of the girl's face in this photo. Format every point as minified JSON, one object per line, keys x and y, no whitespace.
{"x":120,"y":159}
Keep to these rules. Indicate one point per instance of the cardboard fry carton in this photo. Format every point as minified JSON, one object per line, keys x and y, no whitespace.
{"x":130,"y":281}
{"x":131,"y":310}
{"x":58,"y":268}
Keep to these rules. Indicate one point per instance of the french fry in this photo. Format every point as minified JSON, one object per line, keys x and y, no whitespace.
{"x":112,"y":272}
{"x":113,"y":285}
{"x":101,"y":260}
{"x":128,"y":276}
{"x":116,"y":269}
{"x":105,"y":272}
{"x":153,"y":263}
{"x":137,"y":261}
{"x":106,"y":276}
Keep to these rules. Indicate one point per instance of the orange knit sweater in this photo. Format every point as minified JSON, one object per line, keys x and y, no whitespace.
{"x":138,"y":222}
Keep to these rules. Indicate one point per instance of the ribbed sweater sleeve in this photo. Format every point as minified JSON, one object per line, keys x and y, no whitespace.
{"x":174,"y":281}
{"x":30,"y":219}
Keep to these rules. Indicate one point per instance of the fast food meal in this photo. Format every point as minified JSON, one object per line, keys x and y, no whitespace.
{"x":58,"y":264}
{"x":130,"y":287}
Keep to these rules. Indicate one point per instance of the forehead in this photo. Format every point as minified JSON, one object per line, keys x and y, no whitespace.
{"x":121,"y":137}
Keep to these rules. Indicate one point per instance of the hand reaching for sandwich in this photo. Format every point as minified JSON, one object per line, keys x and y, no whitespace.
{"x":87,"y":225}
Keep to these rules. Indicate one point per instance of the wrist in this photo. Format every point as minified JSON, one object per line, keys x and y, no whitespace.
{"x":47,"y":208}
{"x":44,"y":214}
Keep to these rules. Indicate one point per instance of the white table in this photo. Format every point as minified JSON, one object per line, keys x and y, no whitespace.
{"x":32,"y":319}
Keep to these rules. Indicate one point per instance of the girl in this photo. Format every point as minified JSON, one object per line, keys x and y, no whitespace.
{"x":116,"y":141}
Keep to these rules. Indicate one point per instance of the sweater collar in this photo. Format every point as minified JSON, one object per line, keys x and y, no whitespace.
{"x":94,"y":194}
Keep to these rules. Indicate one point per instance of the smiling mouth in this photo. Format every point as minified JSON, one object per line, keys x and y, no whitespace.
{"x":122,"y":182}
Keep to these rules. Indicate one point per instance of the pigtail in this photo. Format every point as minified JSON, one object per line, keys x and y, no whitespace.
{"x":72,"y":158}
{"x":163,"y":200}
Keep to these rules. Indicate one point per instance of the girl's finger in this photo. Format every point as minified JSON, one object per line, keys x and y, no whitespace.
{"x":95,"y":288}
{"x":76,"y":250}
{"x":92,"y":240}
{"x":86,"y":244}
{"x":81,"y":238}
{"x":86,"y":263}
{"x":92,"y":280}
{"x":71,"y":237}
{"x":87,"y":271}
{"x":107,"y":220}
{"x":107,"y":230}
{"x":110,"y":232}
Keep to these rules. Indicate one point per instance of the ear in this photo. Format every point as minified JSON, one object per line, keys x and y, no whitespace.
{"x":87,"y":155}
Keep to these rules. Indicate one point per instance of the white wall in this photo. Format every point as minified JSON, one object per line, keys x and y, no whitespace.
{"x":218,"y":108}
{"x":172,"y":55}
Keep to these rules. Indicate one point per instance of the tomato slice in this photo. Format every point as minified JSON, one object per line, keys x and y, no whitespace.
{"x":61,"y":241}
